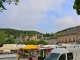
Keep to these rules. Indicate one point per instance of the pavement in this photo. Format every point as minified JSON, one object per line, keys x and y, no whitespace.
{"x":23,"y":59}
{"x":34,"y":58}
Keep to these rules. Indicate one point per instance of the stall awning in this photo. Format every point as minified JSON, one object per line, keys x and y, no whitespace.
{"x":9,"y":47}
{"x":31,"y":47}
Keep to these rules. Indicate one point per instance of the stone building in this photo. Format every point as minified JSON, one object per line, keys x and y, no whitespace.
{"x":51,"y":40}
{"x":70,"y":36}
{"x":36,"y":37}
{"x":26,"y":38}
{"x":19,"y":39}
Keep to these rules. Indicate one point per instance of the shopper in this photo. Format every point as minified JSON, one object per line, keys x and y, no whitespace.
{"x":40,"y":58}
{"x":30,"y":57}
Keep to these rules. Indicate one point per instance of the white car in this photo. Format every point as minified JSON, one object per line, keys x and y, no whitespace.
{"x":65,"y":53}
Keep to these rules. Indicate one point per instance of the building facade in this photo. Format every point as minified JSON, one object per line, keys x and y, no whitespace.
{"x":26,"y":38}
{"x":36,"y":37}
{"x":51,"y":40}
{"x":70,"y":36}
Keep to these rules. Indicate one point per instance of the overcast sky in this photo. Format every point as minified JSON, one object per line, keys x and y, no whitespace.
{"x":45,"y":16}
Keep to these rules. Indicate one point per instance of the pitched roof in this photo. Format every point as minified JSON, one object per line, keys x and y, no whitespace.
{"x":73,"y":30}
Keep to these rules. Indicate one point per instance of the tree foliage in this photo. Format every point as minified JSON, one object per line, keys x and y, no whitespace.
{"x":34,"y":42}
{"x":17,"y":33}
{"x":2,"y":7}
{"x":48,"y":35}
{"x":76,"y":6}
{"x":25,"y":42}
{"x":43,"y":42}
{"x":20,"y":42}
{"x":2,"y":37}
{"x":10,"y":41}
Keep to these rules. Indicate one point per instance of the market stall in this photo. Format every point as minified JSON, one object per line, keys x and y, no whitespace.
{"x":9,"y":47}
{"x":30,"y":50}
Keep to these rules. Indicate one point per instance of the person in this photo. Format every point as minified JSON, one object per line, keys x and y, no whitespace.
{"x":40,"y":57}
{"x":30,"y":57}
{"x":43,"y":54}
{"x":48,"y":52}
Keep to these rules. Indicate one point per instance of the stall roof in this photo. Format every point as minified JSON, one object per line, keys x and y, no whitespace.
{"x":9,"y":47}
{"x":31,"y":47}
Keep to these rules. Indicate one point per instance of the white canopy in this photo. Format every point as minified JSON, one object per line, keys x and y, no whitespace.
{"x":9,"y":47}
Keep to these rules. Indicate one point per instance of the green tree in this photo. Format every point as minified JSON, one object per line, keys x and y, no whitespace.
{"x":2,"y":7}
{"x":25,"y":42}
{"x":20,"y":42}
{"x":2,"y":37}
{"x":76,"y":6}
{"x":34,"y":42}
{"x":10,"y":41}
{"x":43,"y":42}
{"x":46,"y":35}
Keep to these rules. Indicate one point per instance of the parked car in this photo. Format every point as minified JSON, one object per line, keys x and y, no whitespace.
{"x":65,"y":53}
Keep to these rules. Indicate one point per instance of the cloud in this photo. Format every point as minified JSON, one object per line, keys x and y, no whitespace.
{"x":40,"y":15}
{"x":64,"y":21}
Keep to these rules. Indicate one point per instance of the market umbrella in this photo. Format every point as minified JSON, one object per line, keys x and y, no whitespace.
{"x":31,"y":47}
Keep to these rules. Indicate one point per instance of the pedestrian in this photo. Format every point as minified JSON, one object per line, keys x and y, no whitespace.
{"x":43,"y":54}
{"x":40,"y":58}
{"x":30,"y":57}
{"x":48,"y":52}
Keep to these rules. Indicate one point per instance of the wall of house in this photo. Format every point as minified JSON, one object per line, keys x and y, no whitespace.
{"x":26,"y":38}
{"x":78,"y":37}
{"x":52,"y":41}
{"x":69,"y":38}
{"x":33,"y":37}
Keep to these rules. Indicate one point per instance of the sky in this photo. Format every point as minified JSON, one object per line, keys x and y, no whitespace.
{"x":45,"y":16}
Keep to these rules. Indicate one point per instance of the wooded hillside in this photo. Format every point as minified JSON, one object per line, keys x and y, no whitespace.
{"x":18,"y":32}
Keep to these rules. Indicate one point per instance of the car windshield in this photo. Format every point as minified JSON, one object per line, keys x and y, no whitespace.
{"x":52,"y":56}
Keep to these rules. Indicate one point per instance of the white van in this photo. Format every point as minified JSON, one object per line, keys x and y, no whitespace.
{"x":65,"y":53}
{"x":8,"y":57}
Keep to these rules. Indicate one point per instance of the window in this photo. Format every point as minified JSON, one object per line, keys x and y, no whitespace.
{"x":69,"y":39}
{"x":73,"y":38}
{"x":65,"y":40}
{"x":59,"y":40}
{"x":52,"y":56}
{"x":62,"y":57}
{"x":62,"y":40}
{"x":69,"y":56}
